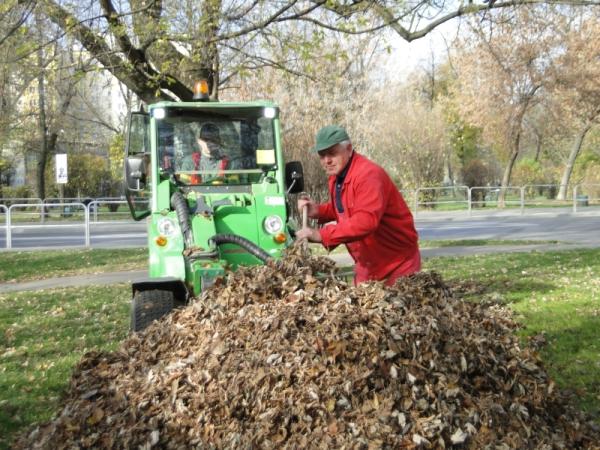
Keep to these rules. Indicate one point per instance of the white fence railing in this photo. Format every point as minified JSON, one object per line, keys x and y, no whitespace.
{"x":75,"y":215}
{"x":20,"y":213}
{"x":4,"y":216}
{"x":490,"y":197}
{"x":424,"y":198}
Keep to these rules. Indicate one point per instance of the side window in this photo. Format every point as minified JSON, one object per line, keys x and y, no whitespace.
{"x":166,"y":146}
{"x":138,"y":170}
{"x":266,"y":140}
{"x":138,"y":141}
{"x":249,"y":131}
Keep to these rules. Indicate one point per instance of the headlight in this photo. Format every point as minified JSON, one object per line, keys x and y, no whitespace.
{"x":159,"y":113}
{"x":270,"y":112}
{"x":166,"y":227}
{"x":273,"y":224}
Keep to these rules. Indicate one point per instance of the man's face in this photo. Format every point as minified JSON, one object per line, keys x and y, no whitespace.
{"x":334,"y":159}
{"x":208,"y":148}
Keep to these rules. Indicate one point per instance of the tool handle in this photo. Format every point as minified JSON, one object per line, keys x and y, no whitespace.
{"x":305,"y":216}
{"x":304,"y":195}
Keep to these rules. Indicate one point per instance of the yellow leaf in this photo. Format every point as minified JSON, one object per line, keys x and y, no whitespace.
{"x":96,"y":416}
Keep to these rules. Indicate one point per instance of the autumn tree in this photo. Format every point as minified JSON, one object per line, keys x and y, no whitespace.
{"x":409,"y":138}
{"x":157,"y":48}
{"x":330,"y":90}
{"x":576,"y":87}
{"x":502,"y":69}
{"x":14,"y":76}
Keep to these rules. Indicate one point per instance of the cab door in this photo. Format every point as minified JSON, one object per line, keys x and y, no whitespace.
{"x":138,"y":170}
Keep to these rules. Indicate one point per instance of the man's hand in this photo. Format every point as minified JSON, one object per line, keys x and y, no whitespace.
{"x":310,"y":234}
{"x":313,"y":208}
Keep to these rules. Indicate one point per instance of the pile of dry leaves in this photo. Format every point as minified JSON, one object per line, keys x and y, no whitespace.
{"x":278,"y":357}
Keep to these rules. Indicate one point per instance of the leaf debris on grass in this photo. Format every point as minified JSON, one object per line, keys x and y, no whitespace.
{"x":278,"y":357}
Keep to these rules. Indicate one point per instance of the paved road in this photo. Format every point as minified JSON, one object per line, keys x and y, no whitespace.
{"x":564,"y":227}
{"x":583,"y":227}
{"x":572,"y":231}
{"x":61,"y":235}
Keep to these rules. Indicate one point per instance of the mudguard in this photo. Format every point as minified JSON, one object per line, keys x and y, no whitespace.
{"x":172,"y":284}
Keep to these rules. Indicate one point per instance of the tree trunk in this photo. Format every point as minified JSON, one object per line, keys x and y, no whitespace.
{"x":566,"y":177}
{"x":43,"y":149}
{"x":516,"y":143}
{"x":205,"y":51}
{"x":508,"y":171}
{"x":448,"y":174}
{"x":538,"y":147}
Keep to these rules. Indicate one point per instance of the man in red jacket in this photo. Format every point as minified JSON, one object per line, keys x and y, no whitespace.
{"x":371,"y":216}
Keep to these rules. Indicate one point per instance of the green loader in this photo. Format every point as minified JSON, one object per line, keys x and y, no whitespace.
{"x":210,"y":179}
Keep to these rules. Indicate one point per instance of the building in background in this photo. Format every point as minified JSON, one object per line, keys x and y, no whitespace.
{"x":96,"y":108}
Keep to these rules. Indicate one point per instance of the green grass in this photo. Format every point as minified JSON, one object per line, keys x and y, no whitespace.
{"x":480,"y":242}
{"x":44,"y":334}
{"x":320,"y":250}
{"x":23,"y":266}
{"x":556,"y":294}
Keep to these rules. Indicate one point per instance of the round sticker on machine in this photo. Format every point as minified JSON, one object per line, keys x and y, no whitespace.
{"x":274,"y":201}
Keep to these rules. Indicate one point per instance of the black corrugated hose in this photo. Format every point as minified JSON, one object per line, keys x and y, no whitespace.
{"x":180,"y":205}
{"x":252,"y":248}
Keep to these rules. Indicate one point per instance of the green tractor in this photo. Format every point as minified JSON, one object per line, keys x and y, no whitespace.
{"x":211,"y":180}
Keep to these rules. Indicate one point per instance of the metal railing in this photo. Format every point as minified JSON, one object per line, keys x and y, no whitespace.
{"x":56,"y":214}
{"x":8,"y":200}
{"x":67,"y":210}
{"x":4,"y":210}
{"x":450,"y":195}
{"x":439,"y":198}
{"x":515,"y":197}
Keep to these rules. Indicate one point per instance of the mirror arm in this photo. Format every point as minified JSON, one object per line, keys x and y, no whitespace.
{"x":291,"y":185}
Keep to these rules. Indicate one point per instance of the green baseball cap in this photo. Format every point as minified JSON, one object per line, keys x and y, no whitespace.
{"x":329,"y":136}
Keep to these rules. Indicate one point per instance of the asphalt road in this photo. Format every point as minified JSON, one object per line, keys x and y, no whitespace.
{"x":571,"y":231}
{"x":566,"y":227}
{"x":61,"y":235}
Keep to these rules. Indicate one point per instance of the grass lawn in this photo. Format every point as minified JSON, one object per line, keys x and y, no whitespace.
{"x":318,"y":249}
{"x":24,"y":266}
{"x":44,"y":333}
{"x":480,"y":242}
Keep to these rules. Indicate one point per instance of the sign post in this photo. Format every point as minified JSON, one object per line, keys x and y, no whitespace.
{"x":62,"y":177}
{"x":61,"y":168}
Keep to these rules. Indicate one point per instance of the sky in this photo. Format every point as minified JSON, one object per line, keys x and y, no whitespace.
{"x":406,"y":57}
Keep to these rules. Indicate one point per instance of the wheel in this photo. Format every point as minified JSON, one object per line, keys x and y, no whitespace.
{"x":148,"y":306}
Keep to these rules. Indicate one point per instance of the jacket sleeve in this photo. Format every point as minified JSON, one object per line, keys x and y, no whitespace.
{"x":326,"y":213}
{"x":370,"y":198}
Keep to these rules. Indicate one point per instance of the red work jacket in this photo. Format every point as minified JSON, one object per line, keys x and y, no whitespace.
{"x":376,"y":226}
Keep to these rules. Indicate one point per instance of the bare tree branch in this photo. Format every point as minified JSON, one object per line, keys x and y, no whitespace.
{"x":275,"y":17}
{"x":239,"y":15}
{"x":29,"y":5}
{"x":142,"y":79}
{"x":409,"y":36}
{"x":266,"y":62}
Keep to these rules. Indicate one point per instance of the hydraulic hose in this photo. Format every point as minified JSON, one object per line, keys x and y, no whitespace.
{"x":180,"y":205}
{"x":252,"y":248}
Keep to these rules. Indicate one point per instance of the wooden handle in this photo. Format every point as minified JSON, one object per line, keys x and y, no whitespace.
{"x":305,"y":216}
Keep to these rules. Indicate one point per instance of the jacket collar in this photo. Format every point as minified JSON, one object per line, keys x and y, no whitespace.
{"x":341,"y":177}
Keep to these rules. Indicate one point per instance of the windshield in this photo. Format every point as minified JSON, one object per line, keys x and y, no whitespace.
{"x":200,"y":148}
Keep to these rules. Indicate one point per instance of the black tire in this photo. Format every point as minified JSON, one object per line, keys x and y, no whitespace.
{"x":148,"y":306}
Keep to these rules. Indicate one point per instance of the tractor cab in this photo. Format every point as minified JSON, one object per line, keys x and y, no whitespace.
{"x":211,"y":181}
